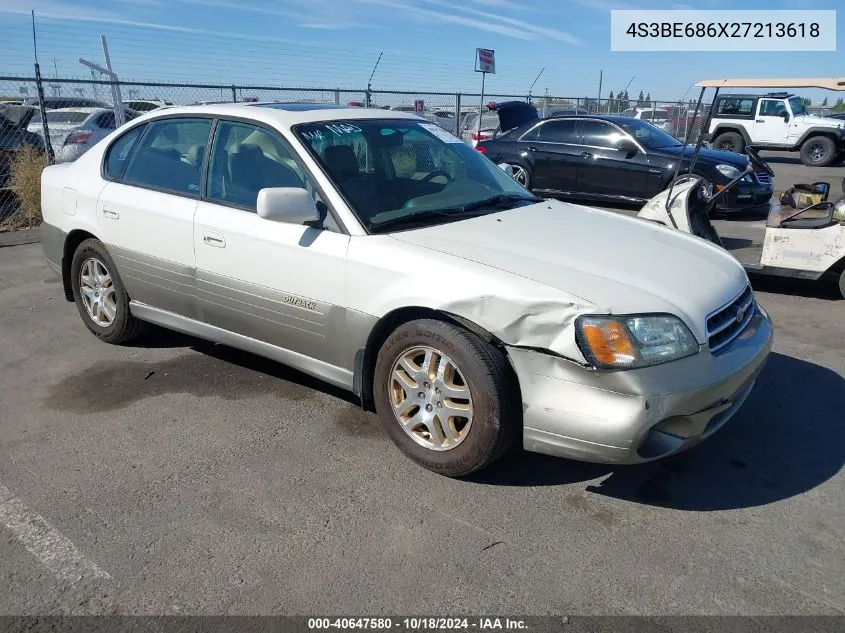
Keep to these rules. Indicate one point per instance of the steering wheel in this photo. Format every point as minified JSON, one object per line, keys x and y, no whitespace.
{"x":437,"y":173}
{"x":758,"y":162}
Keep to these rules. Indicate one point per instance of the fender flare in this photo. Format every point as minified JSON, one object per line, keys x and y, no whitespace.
{"x":731,"y":127}
{"x":834,"y":133}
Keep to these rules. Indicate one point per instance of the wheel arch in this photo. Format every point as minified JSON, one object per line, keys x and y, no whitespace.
{"x":732,"y":127}
{"x":831,"y":133}
{"x":72,"y":242}
{"x":365,"y":358}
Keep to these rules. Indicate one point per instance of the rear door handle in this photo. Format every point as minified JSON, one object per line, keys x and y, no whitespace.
{"x":214,"y":239}
{"x":111,"y":213}
{"x":586,"y":155}
{"x":532,"y":149}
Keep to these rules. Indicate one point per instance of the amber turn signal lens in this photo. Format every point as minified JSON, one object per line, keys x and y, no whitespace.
{"x":610,"y":344}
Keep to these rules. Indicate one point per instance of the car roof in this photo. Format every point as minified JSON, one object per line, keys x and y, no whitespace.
{"x":281,"y":114}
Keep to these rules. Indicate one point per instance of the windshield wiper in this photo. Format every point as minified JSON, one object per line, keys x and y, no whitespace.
{"x":472,"y":209}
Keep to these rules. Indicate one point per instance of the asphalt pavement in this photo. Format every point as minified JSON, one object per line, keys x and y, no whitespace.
{"x":178,"y":477}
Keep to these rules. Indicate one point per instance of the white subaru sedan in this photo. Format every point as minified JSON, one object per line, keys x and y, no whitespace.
{"x":379,"y":253}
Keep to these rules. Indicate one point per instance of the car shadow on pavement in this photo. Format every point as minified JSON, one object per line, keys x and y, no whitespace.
{"x":786,"y":440}
{"x":825,"y":289}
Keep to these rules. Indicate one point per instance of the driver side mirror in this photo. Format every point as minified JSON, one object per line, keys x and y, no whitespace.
{"x":785,"y":116}
{"x":292,"y":205}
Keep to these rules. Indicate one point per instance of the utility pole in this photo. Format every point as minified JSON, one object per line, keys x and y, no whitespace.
{"x":368,"y":96}
{"x":534,"y":82}
{"x":601,"y":73}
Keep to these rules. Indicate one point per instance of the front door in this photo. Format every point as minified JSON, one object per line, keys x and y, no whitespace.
{"x":769,"y":124}
{"x":274,"y":282}
{"x":146,"y":212}
{"x":605,"y":169}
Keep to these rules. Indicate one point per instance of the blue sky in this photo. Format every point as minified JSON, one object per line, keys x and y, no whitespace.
{"x":427,"y":44}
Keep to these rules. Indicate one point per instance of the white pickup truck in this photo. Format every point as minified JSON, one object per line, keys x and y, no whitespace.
{"x":776,"y":121}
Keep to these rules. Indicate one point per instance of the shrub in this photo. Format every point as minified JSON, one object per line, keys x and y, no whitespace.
{"x":25,"y":183}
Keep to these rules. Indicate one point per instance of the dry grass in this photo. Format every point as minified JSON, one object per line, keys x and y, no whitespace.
{"x":25,"y":182}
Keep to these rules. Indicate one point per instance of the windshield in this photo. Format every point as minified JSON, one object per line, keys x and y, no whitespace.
{"x":392,"y":169}
{"x":647,"y":134}
{"x":797,"y":105}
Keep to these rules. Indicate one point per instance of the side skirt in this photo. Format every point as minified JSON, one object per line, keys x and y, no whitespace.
{"x":331,"y":374}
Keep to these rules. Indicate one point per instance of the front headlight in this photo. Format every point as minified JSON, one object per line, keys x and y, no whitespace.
{"x":628,"y":342}
{"x":728,"y":171}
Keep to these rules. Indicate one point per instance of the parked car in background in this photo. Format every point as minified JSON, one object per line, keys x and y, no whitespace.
{"x":776,"y":121}
{"x":470,"y":132}
{"x":14,"y":135}
{"x":467,"y":313}
{"x":614,"y":158}
{"x":436,"y":117}
{"x":548,"y":112}
{"x":54,"y":103}
{"x":146,"y":105}
{"x":658,"y":117}
{"x":73,"y":131}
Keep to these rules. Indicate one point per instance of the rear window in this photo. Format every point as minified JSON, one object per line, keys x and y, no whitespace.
{"x":54,"y":116}
{"x":736,"y":106}
{"x":656,"y":115}
{"x":489,"y":121}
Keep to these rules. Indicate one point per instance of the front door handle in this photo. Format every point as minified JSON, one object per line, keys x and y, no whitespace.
{"x":214,"y":239}
{"x":111,"y":213}
{"x":586,"y":155}
{"x":532,"y":149}
{"x":761,"y":120}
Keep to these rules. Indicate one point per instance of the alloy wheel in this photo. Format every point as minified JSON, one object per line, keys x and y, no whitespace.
{"x":431,"y":400}
{"x":817,"y":152}
{"x":96,"y":288}
{"x":520,"y":175}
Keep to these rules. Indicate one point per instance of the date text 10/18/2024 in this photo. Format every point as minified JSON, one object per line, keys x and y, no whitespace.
{"x":418,"y":624}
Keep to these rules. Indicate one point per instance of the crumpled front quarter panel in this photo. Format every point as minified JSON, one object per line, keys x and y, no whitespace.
{"x":385,"y":274}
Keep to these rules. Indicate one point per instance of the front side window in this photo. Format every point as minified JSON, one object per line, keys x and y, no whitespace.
{"x":772,"y":107}
{"x":169,"y":156}
{"x":247,"y":159}
{"x":391,"y":170}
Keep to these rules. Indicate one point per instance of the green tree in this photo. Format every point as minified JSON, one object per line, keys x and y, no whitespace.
{"x":824,"y":103}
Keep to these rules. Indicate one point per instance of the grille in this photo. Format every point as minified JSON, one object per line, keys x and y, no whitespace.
{"x":763,"y":178}
{"x":724,"y":325}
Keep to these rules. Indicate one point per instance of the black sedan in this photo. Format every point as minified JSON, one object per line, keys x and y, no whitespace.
{"x":612,"y":159}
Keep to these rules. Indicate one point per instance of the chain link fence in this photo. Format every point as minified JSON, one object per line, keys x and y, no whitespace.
{"x":80,"y":111}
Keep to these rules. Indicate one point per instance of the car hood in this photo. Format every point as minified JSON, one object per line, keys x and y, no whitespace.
{"x":512,"y":114}
{"x":620,"y":265}
{"x":822,"y":120}
{"x":714,"y":156}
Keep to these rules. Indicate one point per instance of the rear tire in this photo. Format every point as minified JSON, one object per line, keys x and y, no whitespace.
{"x":842,"y":283}
{"x":447,"y":399}
{"x":100,"y":297}
{"x":818,"y":151}
{"x":729,"y":142}
{"x":522,"y":175}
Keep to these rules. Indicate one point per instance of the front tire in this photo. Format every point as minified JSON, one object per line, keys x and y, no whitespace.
{"x":100,"y":297}
{"x":446,"y":398}
{"x":729,"y":142}
{"x":842,"y":283}
{"x":818,"y":151}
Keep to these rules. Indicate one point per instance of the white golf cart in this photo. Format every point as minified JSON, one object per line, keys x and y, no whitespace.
{"x":804,"y":235}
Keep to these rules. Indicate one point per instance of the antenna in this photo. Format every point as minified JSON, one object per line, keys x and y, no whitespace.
{"x":629,"y":84}
{"x":370,"y":80}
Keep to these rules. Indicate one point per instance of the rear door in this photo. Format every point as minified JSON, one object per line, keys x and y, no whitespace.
{"x":146,"y":212}
{"x":552,"y":148}
{"x":604,"y":169}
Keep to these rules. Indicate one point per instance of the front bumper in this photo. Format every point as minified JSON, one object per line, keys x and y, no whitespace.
{"x":745,"y":196}
{"x":629,"y":417}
